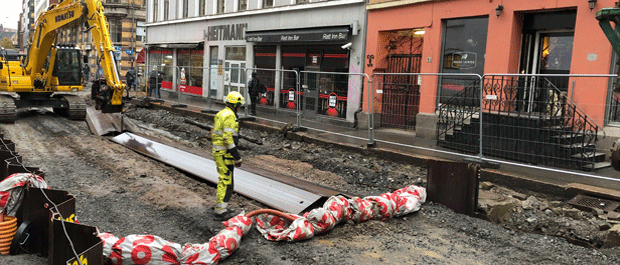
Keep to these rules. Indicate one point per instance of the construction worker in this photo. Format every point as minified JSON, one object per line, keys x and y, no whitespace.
{"x":225,"y":137}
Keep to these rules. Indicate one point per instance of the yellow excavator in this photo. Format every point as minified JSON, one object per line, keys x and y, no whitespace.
{"x":51,"y":71}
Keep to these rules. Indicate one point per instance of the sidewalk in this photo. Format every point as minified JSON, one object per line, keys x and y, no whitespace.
{"x":403,"y":146}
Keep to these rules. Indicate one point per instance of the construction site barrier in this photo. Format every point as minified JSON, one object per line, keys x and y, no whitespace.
{"x":274,"y":226}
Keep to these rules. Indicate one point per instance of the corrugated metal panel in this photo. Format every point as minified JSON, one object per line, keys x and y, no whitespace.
{"x":268,"y":191}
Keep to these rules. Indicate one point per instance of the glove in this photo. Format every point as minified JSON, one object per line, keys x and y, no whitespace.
{"x":235,"y":153}
{"x":238,"y":162}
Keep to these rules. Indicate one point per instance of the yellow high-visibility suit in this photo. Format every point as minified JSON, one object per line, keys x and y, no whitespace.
{"x":225,"y":138}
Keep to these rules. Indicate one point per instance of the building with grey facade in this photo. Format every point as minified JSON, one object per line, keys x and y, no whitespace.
{"x":203,"y":46}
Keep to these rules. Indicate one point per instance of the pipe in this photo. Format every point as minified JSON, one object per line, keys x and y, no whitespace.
{"x":7,"y":232}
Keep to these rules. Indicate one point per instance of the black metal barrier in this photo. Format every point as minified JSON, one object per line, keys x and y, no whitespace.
{"x":88,"y":246}
{"x":40,"y":228}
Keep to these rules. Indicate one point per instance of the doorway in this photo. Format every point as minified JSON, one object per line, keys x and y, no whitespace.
{"x":311,"y":91}
{"x":547,"y":48}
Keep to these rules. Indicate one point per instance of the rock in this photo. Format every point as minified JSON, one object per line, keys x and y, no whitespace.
{"x":602,"y":226}
{"x":518,"y":195}
{"x":531,"y":219}
{"x":598,"y":212}
{"x":613,"y":237}
{"x":499,"y":209}
{"x":613,"y":216}
{"x":572,"y":213}
{"x":485,"y":185}
{"x":548,"y":212}
{"x":530,"y":203}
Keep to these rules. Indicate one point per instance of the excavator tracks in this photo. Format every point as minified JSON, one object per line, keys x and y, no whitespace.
{"x":76,"y":109}
{"x":7,"y":109}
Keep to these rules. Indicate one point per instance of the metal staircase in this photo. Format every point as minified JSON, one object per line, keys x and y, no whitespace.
{"x":526,"y":119}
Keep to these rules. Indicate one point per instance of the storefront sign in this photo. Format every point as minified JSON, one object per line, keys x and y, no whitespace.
{"x":464,"y":60}
{"x":337,"y":34}
{"x":226,"y":32}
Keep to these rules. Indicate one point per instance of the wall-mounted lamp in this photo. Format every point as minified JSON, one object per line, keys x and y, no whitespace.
{"x":592,"y":3}
{"x":500,"y":8}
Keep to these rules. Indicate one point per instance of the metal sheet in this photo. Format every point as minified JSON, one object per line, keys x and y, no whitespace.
{"x":454,"y":185}
{"x":106,"y":124}
{"x":268,"y":191}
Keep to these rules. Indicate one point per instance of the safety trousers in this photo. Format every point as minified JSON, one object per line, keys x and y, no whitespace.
{"x":225,"y":164}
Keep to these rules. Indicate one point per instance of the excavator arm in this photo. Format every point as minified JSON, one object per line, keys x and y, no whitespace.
{"x":73,"y":13}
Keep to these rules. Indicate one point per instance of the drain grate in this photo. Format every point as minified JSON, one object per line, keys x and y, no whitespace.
{"x":587,"y":203}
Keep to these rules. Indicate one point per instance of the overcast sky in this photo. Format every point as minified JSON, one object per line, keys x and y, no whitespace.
{"x":9,"y":13}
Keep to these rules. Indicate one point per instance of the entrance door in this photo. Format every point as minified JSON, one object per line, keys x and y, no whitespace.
{"x":311,"y":92}
{"x":545,"y":53}
{"x":234,"y":77}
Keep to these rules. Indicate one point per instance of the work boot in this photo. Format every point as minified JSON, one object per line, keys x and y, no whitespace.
{"x":225,"y":216}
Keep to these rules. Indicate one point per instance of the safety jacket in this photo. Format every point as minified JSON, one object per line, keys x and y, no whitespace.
{"x":226,"y":131}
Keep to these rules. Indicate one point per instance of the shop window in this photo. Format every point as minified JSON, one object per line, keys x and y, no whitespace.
{"x":265,"y":58}
{"x":464,"y":48}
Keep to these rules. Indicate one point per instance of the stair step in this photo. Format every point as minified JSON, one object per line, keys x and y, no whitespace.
{"x":566,"y":136}
{"x":582,"y":156}
{"x":596,"y":166}
{"x":578,"y":145}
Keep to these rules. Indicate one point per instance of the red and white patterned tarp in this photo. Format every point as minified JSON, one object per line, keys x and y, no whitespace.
{"x":147,"y":249}
{"x":12,"y":190}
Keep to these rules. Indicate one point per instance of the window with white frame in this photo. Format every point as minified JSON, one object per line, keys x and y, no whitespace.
{"x":267,"y":3}
{"x":185,"y":8}
{"x":155,"y":6}
{"x":201,"y":8}
{"x":166,"y":9}
{"x":116,"y":29}
{"x":243,"y":5}
{"x":221,"y":4}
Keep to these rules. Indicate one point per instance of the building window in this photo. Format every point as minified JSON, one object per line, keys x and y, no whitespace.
{"x":113,"y":1}
{"x":140,"y":31}
{"x":116,"y":29}
{"x":243,"y":5}
{"x":185,"y":9}
{"x":201,"y":7}
{"x":155,"y":9}
{"x":166,"y":9}
{"x":303,"y":1}
{"x":267,"y":3}
{"x":464,"y":47}
{"x":220,"y":6}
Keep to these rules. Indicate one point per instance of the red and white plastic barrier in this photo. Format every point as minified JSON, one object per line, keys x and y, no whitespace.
{"x":146,"y":249}
{"x":12,"y":190}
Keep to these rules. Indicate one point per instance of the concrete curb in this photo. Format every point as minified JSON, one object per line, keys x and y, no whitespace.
{"x":519,"y":183}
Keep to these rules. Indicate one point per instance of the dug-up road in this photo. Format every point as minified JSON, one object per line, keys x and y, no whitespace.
{"x":122,"y":192}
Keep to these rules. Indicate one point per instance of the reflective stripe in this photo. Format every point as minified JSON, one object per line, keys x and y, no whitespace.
{"x":226,"y":130}
{"x":219,"y":147}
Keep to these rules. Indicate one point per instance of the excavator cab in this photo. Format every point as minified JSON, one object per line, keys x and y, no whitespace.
{"x":68,"y":66}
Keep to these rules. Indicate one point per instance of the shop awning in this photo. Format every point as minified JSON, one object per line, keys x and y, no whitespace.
{"x":325,"y":34}
{"x":180,"y":45}
{"x":141,"y":56}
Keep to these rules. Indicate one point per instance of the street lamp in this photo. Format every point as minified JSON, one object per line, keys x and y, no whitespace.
{"x":500,"y":8}
{"x":592,"y":3}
